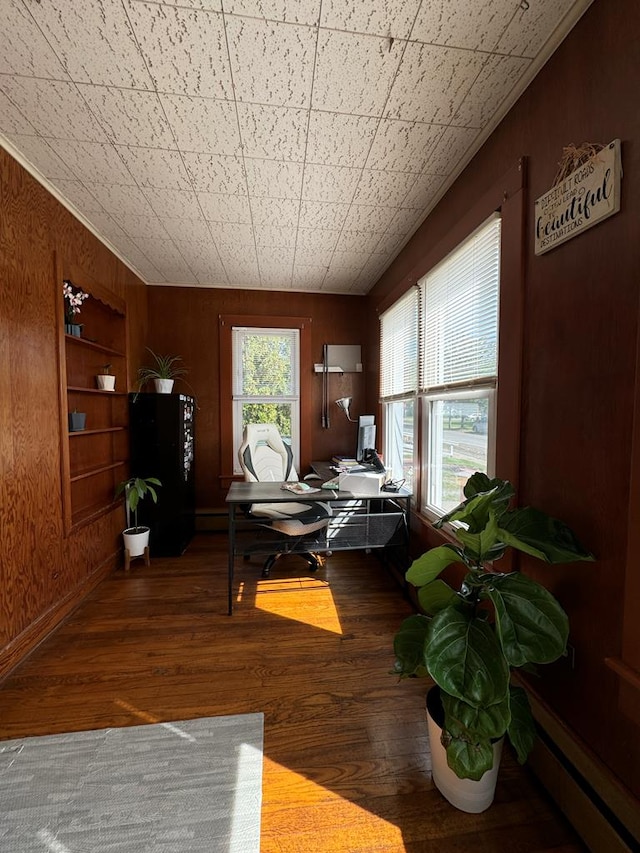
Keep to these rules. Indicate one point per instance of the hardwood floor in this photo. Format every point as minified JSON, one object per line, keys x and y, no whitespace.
{"x":346,"y":764}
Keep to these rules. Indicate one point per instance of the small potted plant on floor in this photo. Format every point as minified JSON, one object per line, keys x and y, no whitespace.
{"x":163,"y":372}
{"x":472,"y":637}
{"x":136,"y":537}
{"x":106,"y":381}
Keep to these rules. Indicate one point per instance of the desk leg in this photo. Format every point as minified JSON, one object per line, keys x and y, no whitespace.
{"x":232,"y":552}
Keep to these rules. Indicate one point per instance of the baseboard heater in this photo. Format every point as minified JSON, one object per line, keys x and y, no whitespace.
{"x":602,"y":812}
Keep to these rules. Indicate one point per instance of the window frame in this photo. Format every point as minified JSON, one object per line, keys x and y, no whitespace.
{"x":506,"y":195}
{"x":226,"y":323}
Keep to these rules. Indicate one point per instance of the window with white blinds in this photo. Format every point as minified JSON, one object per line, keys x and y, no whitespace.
{"x":399,"y":348}
{"x":459,"y":301}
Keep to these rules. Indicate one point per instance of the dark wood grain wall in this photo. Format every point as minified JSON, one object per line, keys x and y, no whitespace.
{"x":579,"y":383}
{"x":184,"y":321}
{"x":43,"y":573}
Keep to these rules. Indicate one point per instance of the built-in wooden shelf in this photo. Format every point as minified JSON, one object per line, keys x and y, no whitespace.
{"x":96,"y":459}
{"x":90,"y":472}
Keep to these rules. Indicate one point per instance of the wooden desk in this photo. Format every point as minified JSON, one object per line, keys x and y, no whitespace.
{"x":358,"y":522}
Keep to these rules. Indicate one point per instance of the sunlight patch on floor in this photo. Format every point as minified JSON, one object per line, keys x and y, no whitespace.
{"x":318,"y":612}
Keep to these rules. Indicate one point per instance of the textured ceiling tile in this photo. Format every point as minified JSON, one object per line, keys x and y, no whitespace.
{"x":308,"y":276}
{"x":318,"y":214}
{"x":268,"y":178}
{"x":11,"y":119}
{"x":371,"y":217}
{"x":275,"y":211}
{"x":382,"y":18}
{"x":402,"y":146}
{"x":139,"y":261}
{"x":315,"y":245}
{"x":496,"y":80}
{"x":529,"y":29}
{"x":339,"y":279}
{"x":454,"y":142}
{"x":142,"y":226}
{"x":218,"y":207}
{"x":167,"y":258}
{"x":273,"y":133}
{"x":349,"y":260}
{"x":458,"y":23}
{"x":237,"y":233}
{"x":119,"y":200}
{"x":40,"y":154}
{"x":203,"y":125}
{"x":272,"y":63}
{"x":432,"y":82}
{"x":357,"y":241}
{"x":335,"y":184}
{"x":49,"y":105}
{"x":405,"y":221}
{"x":424,"y":190}
{"x":94,"y":41}
{"x":216,"y":174}
{"x":272,"y":235}
{"x":209,"y":5}
{"x":339,"y":140}
{"x":128,"y":117}
{"x":271,"y":256}
{"x":153,"y":167}
{"x":385,"y":188}
{"x":185,"y":49}
{"x":24,"y":49}
{"x":243,"y":273}
{"x":390,"y":244}
{"x":292,"y":11}
{"x":173,"y":204}
{"x":93,"y":162}
{"x":238,"y":256}
{"x":276,"y":277}
{"x":107,"y":227}
{"x":187,"y":231}
{"x":79,"y":196}
{"x":354,"y":72}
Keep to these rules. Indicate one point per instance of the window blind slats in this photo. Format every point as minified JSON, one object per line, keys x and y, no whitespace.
{"x":399,"y":347}
{"x":459,"y":300}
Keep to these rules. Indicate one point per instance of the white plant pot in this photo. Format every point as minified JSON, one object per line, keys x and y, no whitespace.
{"x":136,"y":542}
{"x":106,"y":382}
{"x":465,"y":794}
{"x":164,"y":386}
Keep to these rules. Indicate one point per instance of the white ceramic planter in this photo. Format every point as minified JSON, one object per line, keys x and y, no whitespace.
{"x":164,"y":386}
{"x":465,"y":794}
{"x":106,"y":382}
{"x":135,"y":543}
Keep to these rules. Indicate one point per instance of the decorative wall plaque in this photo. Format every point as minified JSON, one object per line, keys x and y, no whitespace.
{"x":584,"y":197}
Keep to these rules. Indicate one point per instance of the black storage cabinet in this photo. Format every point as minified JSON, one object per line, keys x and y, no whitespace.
{"x":162,"y":437}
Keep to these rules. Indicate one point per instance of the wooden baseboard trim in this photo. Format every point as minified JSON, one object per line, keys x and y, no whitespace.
{"x":603,"y":812}
{"x":18,"y":649}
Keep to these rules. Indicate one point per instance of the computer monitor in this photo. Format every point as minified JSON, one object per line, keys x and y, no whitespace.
{"x":366,"y":435}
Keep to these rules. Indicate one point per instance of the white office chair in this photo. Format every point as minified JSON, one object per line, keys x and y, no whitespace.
{"x":265,"y":457}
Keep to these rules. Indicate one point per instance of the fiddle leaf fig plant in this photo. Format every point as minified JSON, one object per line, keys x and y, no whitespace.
{"x":470,"y":639}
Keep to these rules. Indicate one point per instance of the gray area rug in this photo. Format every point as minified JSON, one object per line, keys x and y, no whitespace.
{"x":187,"y":786}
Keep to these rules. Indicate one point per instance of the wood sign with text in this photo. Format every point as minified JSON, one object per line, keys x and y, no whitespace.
{"x":585,"y":197}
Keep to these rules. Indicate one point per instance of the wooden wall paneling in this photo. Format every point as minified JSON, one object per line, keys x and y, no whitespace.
{"x":193,"y":334}
{"x":580,"y":331}
{"x":43,"y":572}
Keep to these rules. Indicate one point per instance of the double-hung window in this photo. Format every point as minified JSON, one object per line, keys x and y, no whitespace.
{"x":399,"y":383}
{"x":266,"y":382}
{"x":458,"y":366}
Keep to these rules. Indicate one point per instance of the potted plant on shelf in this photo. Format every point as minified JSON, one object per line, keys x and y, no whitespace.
{"x":73,"y":299}
{"x":106,"y":380}
{"x":471,"y":638}
{"x":136,"y":537}
{"x":163,"y":373}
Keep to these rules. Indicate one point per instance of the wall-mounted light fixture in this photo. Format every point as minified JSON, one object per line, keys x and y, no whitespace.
{"x":344,"y":403}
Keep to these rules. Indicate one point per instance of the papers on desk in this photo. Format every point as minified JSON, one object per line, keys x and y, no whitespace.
{"x":299,"y":488}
